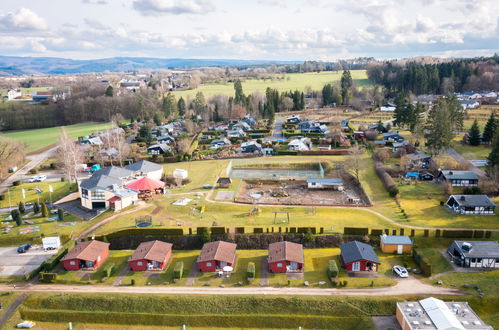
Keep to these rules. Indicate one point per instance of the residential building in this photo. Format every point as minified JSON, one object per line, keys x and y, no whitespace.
{"x":285,"y":257}
{"x":236,"y":133}
{"x":216,"y":255}
{"x":458,"y":178}
{"x":469,"y":104}
{"x":388,"y":107}
{"x":419,"y":159}
{"x":146,"y":168}
{"x":325,"y":183}
{"x":358,"y":257}
{"x":13,"y":94}
{"x":435,"y":314}
{"x":294,"y":119}
{"x":395,"y":243}
{"x":220,"y":143}
{"x":152,"y":255}
{"x":475,"y":254}
{"x":471,"y":204}
{"x":300,"y":144}
{"x":251,"y":147}
{"x":224,"y":182}
{"x":88,"y":255}
{"x":159,"y":149}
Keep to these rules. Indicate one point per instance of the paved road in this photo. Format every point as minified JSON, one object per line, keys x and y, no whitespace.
{"x":34,"y":161}
{"x":457,"y":157}
{"x":277,"y":131}
{"x":410,"y":286}
{"x":12,"y":308}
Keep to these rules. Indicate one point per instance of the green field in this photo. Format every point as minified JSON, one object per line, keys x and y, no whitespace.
{"x":291,"y":81}
{"x":14,"y":193}
{"x":37,"y":139}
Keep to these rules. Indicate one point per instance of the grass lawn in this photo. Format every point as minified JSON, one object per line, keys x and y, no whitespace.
{"x":472,"y":152}
{"x":200,"y":173}
{"x":438,"y":263}
{"x":291,"y":81}
{"x":6,"y":298}
{"x":60,"y":189}
{"x":487,"y":281}
{"x":37,"y":139}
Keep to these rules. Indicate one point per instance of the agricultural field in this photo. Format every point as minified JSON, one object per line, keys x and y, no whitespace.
{"x":481,"y":114}
{"x":291,"y":81}
{"x":37,"y":139}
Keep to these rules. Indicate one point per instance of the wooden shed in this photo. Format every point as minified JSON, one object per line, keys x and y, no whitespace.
{"x":398,"y":244}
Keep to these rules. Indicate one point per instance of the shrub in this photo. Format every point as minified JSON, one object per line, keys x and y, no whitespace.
{"x":218,"y":230}
{"x":16,"y":183}
{"x":63,"y":179}
{"x":178,"y":270}
{"x":332,"y":269}
{"x":33,"y":171}
{"x":132,"y":282}
{"x":48,"y":277}
{"x":393,"y":191}
{"x":457,"y":233}
{"x":376,"y":232}
{"x":36,"y":208}
{"x":60,"y":214}
{"x":345,"y":283}
{"x":2,"y":197}
{"x":108,"y":271}
{"x":258,"y":230}
{"x":206,"y":236}
{"x":22,"y":208}
{"x":422,"y":262}
{"x":16,"y":216}
{"x":442,"y":203}
{"x":251,"y":270}
{"x":45,"y":210}
{"x":355,"y":231}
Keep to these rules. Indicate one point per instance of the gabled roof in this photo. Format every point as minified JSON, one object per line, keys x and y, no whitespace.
{"x":152,"y":250}
{"x":395,"y":239}
{"x":219,"y":250}
{"x":327,"y":181}
{"x":224,"y":180}
{"x":100,"y":181}
{"x":87,"y":251}
{"x":479,"y":249}
{"x":286,"y":251}
{"x":458,"y":175}
{"x":472,"y":200}
{"x":144,"y":166}
{"x":114,"y":171}
{"x":355,"y":251}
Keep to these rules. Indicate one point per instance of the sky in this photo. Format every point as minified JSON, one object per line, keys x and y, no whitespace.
{"x":249,"y":29}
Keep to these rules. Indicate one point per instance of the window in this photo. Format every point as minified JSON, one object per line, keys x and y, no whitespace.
{"x":139,"y":263}
{"x":279,"y":265}
{"x":72,"y":263}
{"x":98,"y":194}
{"x":208,"y":264}
{"x":84,"y":193}
{"x":478,"y":259}
{"x":473,"y":260}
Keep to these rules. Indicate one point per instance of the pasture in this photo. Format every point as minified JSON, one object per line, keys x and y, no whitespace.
{"x":282,"y":82}
{"x":36,"y":139}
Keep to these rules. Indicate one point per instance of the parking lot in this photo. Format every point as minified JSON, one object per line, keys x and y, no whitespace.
{"x":18,"y":264}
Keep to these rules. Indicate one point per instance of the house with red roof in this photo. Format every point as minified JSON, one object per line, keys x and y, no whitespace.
{"x":88,"y":255}
{"x":152,"y":255}
{"x":216,"y":255}
{"x":285,"y":257}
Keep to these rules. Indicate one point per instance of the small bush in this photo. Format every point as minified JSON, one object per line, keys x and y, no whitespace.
{"x":22,"y":208}
{"x":442,"y":203}
{"x":63,"y":179}
{"x":393,"y":191}
{"x":48,"y":277}
{"x":16,"y":216}
{"x":33,"y":171}
{"x":2,"y":197}
{"x":178,"y":270}
{"x":251,"y":270}
{"x":108,"y":271}
{"x":16,"y":183}
{"x":132,"y":282}
{"x":332,"y":269}
{"x":60,"y":214}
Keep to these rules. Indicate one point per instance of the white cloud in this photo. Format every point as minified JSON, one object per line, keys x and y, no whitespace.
{"x":95,"y":2}
{"x":22,"y":20}
{"x":177,"y":7}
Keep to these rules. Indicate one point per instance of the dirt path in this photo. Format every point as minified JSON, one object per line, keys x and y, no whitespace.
{"x":264,"y":281}
{"x":122,"y":274}
{"x":403,"y":287}
{"x":191,"y":278}
{"x":12,"y":308}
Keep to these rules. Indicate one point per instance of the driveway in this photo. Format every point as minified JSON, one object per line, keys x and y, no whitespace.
{"x":460,"y":159}
{"x":18,"y":264}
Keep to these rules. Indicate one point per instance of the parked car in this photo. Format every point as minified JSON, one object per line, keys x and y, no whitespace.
{"x":32,"y":179}
{"x":40,"y":178}
{"x":400,"y":271}
{"x":23,"y":248}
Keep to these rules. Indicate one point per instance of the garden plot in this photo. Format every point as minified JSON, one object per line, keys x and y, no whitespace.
{"x":295,"y":192}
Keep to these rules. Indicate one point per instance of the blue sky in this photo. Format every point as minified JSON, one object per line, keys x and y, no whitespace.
{"x":249,"y":29}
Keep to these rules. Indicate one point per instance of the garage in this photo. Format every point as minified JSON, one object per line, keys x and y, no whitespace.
{"x":98,"y":205}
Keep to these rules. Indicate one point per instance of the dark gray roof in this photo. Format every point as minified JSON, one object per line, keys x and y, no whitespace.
{"x":472,"y":200}
{"x":355,"y":250}
{"x":479,"y":249}
{"x":327,"y":181}
{"x":144,"y":166}
{"x":113,"y":171}
{"x":418,"y":155}
{"x":459,"y":175}
{"x":100,"y":181}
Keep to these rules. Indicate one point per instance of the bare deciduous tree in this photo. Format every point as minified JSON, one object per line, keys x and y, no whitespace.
{"x":355,"y":162}
{"x":11,"y":153}
{"x":69,"y":155}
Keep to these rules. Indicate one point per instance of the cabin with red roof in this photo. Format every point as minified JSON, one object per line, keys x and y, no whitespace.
{"x":152,"y":255}
{"x":285,"y":257}
{"x":216,"y":255}
{"x":88,"y":255}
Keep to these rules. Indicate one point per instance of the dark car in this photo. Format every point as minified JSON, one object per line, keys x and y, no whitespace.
{"x":23,"y":248}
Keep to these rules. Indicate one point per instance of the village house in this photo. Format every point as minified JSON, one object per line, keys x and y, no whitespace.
{"x":285,"y":257}
{"x":475,"y":254}
{"x":236,"y":133}
{"x":224,"y":182}
{"x":220,"y":143}
{"x":146,"y":168}
{"x":458,"y":178}
{"x":358,"y":257}
{"x":392,"y":137}
{"x":325,"y":183}
{"x":13,"y":94}
{"x":419,"y":159}
{"x":471,"y":204}
{"x":435,"y":314}
{"x":159,"y":149}
{"x":300,"y":144}
{"x":388,"y":107}
{"x":249,"y":120}
{"x":215,"y":256}
{"x":469,"y":104}
{"x":241,"y":125}
{"x":165,"y":139}
{"x":294,"y":119}
{"x":88,"y":255}
{"x":251,"y":147}
{"x":394,"y":243}
{"x":152,"y":255}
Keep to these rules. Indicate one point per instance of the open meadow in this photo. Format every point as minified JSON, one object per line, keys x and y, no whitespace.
{"x":290,"y":81}
{"x":37,"y":139}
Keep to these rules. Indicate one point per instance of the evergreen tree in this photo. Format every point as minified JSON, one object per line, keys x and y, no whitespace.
{"x":400,"y":113}
{"x":22,"y":208}
{"x":239,"y":97}
{"x":493,"y":158}
{"x":474,"y":134}
{"x":109,"y":91}
{"x":216,"y":115}
{"x":157,"y":119}
{"x":346,"y":80}
{"x":16,"y":216}
{"x":36,"y":208}
{"x":45,"y":210}
{"x":440,"y":129}
{"x":181,"y":107}
{"x":327,"y":94}
{"x":206,"y":236}
{"x":145,"y":133}
{"x":199,"y":102}
{"x":490,"y":129}
{"x":170,"y":106}
{"x":60,"y":214}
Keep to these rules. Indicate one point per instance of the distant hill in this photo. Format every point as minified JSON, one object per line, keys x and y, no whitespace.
{"x":16,"y":65}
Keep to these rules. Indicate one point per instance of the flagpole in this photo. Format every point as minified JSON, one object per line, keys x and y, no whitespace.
{"x":8,"y":193}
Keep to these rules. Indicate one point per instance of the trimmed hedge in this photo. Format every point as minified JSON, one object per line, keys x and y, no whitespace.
{"x":286,"y":153}
{"x":422,"y":262}
{"x":376,"y":232}
{"x":457,"y":233}
{"x":146,"y":232}
{"x":478,"y":234}
{"x":217,"y":230}
{"x":305,"y":230}
{"x":239,"y":230}
{"x":178,"y":270}
{"x":355,"y":231}
{"x":258,"y":230}
{"x":48,"y":277}
{"x":250,"y":273}
{"x":332,"y":269}
{"x":200,"y":320}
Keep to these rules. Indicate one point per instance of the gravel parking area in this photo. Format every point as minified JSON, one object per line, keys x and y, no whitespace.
{"x":18,"y":264}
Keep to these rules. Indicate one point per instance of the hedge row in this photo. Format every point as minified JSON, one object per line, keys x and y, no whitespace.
{"x":146,"y":231}
{"x":457,"y":233}
{"x":332,"y":152}
{"x":387,"y":180}
{"x":287,"y":153}
{"x":355,"y":231}
{"x":178,"y":270}
{"x":422,"y":262}
{"x":332,"y":269}
{"x":48,"y":277}
{"x":199,"y":320}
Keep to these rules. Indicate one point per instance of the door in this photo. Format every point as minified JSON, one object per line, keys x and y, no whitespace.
{"x":400,"y":249}
{"x":356,"y":267}
{"x":294,"y":266}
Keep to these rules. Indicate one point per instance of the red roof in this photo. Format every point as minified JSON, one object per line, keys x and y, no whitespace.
{"x":145,"y":184}
{"x":114,"y":199}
